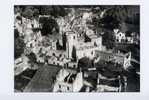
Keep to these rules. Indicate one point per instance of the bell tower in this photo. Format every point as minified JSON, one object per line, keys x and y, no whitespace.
{"x":71,"y":42}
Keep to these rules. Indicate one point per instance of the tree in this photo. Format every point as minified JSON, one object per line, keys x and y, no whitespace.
{"x":74,"y":53}
{"x":113,"y":16}
{"x":85,"y":63}
{"x":32,"y":58}
{"x":58,"y":46}
{"x":17,"y":9}
{"x":36,"y":12}
{"x":19,"y":46}
{"x":64,"y":38}
{"x":108,"y":39}
{"x":16,"y":33}
{"x":55,"y":11}
{"x":28,"y":12}
{"x":49,"y":26}
{"x":109,"y":22}
{"x":46,"y":41}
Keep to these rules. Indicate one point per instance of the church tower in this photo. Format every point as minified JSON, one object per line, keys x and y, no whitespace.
{"x":71,"y":42}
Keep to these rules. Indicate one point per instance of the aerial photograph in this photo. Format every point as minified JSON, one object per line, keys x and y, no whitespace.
{"x":76,"y":48}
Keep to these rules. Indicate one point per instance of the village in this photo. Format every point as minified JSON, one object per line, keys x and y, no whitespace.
{"x":75,"y":58}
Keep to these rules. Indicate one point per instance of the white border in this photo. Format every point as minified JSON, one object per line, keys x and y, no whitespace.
{"x":6,"y":52}
{"x":77,"y":2}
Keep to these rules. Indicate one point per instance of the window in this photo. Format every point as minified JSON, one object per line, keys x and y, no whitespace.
{"x":95,"y":44}
{"x":53,"y":54}
{"x":60,"y":55}
{"x":67,"y":88}
{"x":127,"y":56}
{"x":59,"y":86}
{"x":64,"y":56}
{"x":109,"y":57}
{"x":74,"y":66}
{"x":92,"y":52}
{"x":32,"y":25}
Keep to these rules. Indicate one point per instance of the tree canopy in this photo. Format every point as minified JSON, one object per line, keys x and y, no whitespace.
{"x":85,"y":63}
{"x":108,"y":39}
{"x":33,"y":11}
{"x":114,"y":15}
{"x":32,"y":57}
{"x":54,"y":11}
{"x":49,"y":26}
{"x":19,"y":46}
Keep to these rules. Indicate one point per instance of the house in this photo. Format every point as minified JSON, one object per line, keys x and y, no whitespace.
{"x":73,"y":64}
{"x":82,"y":48}
{"x":119,"y":36}
{"x":119,"y":58}
{"x":21,"y":64}
{"x":68,"y":81}
{"x":125,"y":37}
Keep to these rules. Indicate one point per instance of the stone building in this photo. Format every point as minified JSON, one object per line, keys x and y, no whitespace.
{"x":120,"y":58}
{"x":123,"y":37}
{"x":68,"y":81}
{"x":82,"y":48}
{"x":21,"y":64}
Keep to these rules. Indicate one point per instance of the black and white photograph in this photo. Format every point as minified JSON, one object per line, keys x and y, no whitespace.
{"x":76,"y":48}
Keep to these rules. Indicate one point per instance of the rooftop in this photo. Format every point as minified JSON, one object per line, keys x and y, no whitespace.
{"x":70,"y":78}
{"x":87,"y":45}
{"x":43,"y":79}
{"x":111,"y":53}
